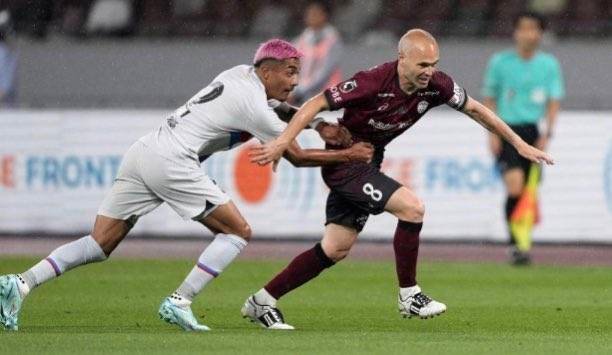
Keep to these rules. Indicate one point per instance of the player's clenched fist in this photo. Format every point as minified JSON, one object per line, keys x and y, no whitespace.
{"x":335,"y":134}
{"x":361,"y":151}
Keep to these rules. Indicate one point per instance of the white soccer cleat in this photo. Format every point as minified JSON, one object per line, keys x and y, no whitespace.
{"x":175,"y":310}
{"x":10,"y":301}
{"x":265,"y":315}
{"x":420,"y":305}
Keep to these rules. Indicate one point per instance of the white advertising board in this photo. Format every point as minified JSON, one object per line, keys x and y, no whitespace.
{"x":56,"y":166}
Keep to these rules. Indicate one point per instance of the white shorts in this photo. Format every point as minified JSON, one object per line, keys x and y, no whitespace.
{"x":145,"y":180}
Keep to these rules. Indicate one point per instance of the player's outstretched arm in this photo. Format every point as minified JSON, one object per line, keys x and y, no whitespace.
{"x":479,"y":113}
{"x":273,"y":150}
{"x":331,"y":133}
{"x":318,"y":157}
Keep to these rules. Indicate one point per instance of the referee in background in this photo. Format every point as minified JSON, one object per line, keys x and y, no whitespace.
{"x":523,"y":86}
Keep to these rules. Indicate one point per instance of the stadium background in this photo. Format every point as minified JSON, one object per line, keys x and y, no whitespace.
{"x":95,"y":75}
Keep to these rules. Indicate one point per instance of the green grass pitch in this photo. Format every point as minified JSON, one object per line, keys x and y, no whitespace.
{"x":351,"y":308}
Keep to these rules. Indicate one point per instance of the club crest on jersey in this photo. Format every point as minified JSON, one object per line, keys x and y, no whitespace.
{"x":422,"y":106}
{"x":348,"y":86}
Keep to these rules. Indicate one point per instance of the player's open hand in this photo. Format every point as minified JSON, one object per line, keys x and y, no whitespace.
{"x":267,"y":153}
{"x":361,"y":151}
{"x":335,"y":134}
{"x":535,"y":155}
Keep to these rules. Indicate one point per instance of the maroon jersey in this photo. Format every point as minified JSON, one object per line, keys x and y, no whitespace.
{"x":376,"y":108}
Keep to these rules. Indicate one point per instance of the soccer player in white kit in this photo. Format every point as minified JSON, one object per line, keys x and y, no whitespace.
{"x":164,"y":166}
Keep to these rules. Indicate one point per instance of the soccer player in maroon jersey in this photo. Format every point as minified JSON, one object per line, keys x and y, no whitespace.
{"x":380,"y":104}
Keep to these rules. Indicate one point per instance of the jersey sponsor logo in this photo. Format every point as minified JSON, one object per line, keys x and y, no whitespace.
{"x":386,"y":94}
{"x":422,"y":106}
{"x":400,"y":111}
{"x":429,"y":93}
{"x":387,"y":126}
{"x":348,"y":86}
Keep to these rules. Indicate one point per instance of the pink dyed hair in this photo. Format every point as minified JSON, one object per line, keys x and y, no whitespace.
{"x":276,"y":49}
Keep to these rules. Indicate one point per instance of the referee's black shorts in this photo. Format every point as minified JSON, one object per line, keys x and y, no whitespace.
{"x":509,"y":158}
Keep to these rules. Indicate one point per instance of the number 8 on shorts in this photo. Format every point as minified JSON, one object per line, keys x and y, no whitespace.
{"x":369,"y":190}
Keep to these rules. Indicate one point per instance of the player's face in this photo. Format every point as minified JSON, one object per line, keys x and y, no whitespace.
{"x":282,"y":78}
{"x":527,"y":33}
{"x":418,"y":65}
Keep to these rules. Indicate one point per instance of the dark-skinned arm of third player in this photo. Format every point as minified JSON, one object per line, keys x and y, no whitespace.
{"x":318,"y":157}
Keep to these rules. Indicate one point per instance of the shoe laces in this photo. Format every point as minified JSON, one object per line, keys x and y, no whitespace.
{"x":276,"y":315}
{"x":422,"y":298}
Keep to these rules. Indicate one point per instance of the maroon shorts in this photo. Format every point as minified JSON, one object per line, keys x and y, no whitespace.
{"x":357,"y":190}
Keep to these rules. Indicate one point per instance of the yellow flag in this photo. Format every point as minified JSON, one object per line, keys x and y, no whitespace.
{"x":526,"y":213}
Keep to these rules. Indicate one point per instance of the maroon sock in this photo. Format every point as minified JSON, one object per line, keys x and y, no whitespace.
{"x":302,"y":269}
{"x":406,"y":247}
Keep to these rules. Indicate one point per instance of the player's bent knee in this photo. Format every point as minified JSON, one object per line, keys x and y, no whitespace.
{"x":419,"y":209}
{"x":335,"y":252}
{"x":413,"y":211}
{"x":338,"y":254}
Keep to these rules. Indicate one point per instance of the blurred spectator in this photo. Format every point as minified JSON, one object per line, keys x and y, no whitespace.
{"x":72,"y":15}
{"x":110,"y":17}
{"x":322,"y":48}
{"x":8,"y":63}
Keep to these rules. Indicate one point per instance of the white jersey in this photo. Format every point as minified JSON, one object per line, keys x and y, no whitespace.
{"x":226,"y":113}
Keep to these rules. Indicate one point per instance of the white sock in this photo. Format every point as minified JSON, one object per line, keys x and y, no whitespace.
{"x":214,"y":259}
{"x":264,"y":297}
{"x":68,"y":256}
{"x":409,"y":291}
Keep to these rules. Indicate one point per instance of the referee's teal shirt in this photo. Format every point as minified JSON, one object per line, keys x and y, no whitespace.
{"x":522,"y":88}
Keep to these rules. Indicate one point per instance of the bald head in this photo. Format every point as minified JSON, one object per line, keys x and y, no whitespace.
{"x":418,"y":56}
{"x":417,"y":39}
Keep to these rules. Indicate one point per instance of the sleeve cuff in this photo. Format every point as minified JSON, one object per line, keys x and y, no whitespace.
{"x":330,"y":100}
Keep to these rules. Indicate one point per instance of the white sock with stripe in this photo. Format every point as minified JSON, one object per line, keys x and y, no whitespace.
{"x":68,"y":256}
{"x":214,"y":259}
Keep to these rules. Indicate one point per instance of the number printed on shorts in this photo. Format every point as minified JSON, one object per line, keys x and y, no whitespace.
{"x":369,"y":190}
